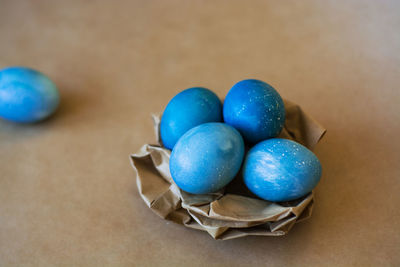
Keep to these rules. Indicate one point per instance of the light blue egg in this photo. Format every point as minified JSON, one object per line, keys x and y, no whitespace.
{"x":281,"y":170}
{"x":186,"y":110}
{"x":255,"y":109}
{"x":26,"y":95}
{"x":206,"y":158}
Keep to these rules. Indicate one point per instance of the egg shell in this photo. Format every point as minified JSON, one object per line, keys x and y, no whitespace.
{"x":207,"y":158}
{"x":26,"y":95}
{"x":255,"y":109}
{"x":281,"y":170}
{"x":189,"y":108}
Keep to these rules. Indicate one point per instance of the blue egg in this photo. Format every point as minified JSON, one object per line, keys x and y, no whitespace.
{"x":281,"y":170}
{"x":26,"y":95}
{"x":255,"y":109}
{"x":206,"y":158}
{"x":186,"y":110}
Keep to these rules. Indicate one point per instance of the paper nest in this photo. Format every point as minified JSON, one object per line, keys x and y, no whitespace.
{"x":233,"y":212}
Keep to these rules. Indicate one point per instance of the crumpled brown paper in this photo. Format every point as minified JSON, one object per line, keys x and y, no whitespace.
{"x":233,"y":212}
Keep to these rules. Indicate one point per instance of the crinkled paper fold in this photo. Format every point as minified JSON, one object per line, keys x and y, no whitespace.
{"x":233,"y":212}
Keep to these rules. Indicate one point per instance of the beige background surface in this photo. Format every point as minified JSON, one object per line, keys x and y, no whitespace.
{"x":67,"y":192}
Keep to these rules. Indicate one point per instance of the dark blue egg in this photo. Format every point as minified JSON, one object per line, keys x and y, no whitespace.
{"x":26,"y":95}
{"x":281,"y":170}
{"x":206,"y":158}
{"x":255,"y":109}
{"x":186,"y":110}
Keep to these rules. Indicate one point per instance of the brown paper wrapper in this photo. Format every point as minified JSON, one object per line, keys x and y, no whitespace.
{"x":233,"y":212}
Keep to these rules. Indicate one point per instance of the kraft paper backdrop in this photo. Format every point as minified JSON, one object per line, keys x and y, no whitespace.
{"x":233,"y":212}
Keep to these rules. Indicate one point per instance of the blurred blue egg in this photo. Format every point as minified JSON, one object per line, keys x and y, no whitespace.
{"x":186,"y":110}
{"x":281,"y":170}
{"x":255,"y":109}
{"x":206,"y":158}
{"x":26,"y":95}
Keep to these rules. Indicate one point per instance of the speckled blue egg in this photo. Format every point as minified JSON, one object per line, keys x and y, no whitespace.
{"x":206,"y":158}
{"x":255,"y":109}
{"x":281,"y":170}
{"x":26,"y":95}
{"x":186,"y":110}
